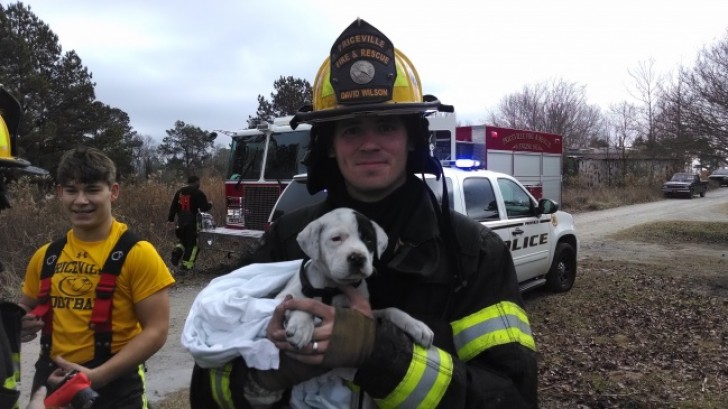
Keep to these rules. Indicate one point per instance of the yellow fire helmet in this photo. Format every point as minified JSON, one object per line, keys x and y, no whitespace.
{"x":366,"y":75}
{"x":9,"y":122}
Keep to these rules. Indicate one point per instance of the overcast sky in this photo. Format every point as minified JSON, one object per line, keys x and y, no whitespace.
{"x":205,"y":62}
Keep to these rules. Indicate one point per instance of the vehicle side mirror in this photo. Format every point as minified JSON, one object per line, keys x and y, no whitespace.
{"x":547,"y":206}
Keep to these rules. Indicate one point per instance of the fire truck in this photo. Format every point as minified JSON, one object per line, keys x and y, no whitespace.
{"x":534,"y":158}
{"x":262,"y":162}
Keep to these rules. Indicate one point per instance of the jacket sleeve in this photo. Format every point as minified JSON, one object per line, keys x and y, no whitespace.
{"x":173,"y":207}
{"x":491,"y":362}
{"x":203,"y":205}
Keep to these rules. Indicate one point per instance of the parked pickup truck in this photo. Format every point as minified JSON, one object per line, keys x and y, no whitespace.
{"x":542,"y":239}
{"x":685,"y":184}
{"x":720,"y":176}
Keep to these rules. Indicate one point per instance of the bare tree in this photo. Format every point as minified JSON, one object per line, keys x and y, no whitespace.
{"x":708,"y":84}
{"x":145,"y":157}
{"x":559,"y":107}
{"x":623,"y":125}
{"x":646,"y":91}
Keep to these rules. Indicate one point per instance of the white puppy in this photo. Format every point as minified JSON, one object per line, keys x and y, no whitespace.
{"x":342,"y":245}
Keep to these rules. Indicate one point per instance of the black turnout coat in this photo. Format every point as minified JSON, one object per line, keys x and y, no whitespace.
{"x":485,"y":354}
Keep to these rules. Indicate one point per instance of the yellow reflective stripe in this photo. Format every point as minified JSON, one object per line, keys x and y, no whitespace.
{"x":10,"y":383}
{"x":499,"y":324}
{"x":143,"y":377}
{"x":425,"y":382}
{"x":220,"y":382}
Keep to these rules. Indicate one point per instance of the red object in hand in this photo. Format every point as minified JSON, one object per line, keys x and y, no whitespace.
{"x":74,"y":391}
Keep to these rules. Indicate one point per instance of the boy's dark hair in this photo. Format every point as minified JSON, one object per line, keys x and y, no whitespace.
{"x":193,"y":179}
{"x":86,"y":165}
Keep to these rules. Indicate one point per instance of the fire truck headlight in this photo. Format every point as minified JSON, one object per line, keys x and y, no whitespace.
{"x":234,"y":216}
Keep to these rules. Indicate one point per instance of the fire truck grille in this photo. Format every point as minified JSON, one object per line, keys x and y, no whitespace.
{"x":258,"y":203}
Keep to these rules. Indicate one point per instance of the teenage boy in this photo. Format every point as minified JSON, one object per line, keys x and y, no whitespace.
{"x":100,"y":294}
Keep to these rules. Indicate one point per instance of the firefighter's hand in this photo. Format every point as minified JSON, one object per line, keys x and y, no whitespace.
{"x":29,"y":327}
{"x":345,"y":336}
{"x":36,"y":402}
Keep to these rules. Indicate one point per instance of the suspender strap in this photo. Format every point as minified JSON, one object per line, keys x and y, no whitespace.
{"x":43,"y":307}
{"x":51,"y":257}
{"x":103,"y":304}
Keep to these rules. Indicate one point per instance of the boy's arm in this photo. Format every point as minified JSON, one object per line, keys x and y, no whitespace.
{"x":153,"y":314}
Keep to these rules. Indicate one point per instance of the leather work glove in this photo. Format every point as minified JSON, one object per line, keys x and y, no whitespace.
{"x":290,"y":372}
{"x":352,"y":339}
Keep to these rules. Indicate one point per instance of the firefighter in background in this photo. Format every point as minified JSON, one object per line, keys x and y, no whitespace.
{"x":186,"y":204}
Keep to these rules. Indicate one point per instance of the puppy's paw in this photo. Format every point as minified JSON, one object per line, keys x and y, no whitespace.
{"x":299,"y":329}
{"x":420,"y":333}
{"x":416,"y":329}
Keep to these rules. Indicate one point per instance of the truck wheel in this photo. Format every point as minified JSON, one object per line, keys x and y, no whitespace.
{"x":562,"y":274}
{"x":702,"y":194}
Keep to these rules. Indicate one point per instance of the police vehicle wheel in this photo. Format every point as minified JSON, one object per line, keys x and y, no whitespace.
{"x":562,"y":274}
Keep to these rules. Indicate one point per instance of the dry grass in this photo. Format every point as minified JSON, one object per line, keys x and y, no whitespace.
{"x":585,"y":198}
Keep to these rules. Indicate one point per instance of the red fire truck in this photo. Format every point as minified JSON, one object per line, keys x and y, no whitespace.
{"x":262,"y":162}
{"x":534,"y":158}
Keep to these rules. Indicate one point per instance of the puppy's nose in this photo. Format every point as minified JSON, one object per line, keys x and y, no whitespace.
{"x":356,"y":260}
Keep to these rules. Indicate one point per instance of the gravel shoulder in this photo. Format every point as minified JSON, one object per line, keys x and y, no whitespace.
{"x":604,"y":264}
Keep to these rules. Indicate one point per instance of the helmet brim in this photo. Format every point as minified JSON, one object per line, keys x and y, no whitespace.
{"x":375,"y":109}
{"x":13,"y":163}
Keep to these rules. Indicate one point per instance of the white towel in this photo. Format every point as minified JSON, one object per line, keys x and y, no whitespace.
{"x":229,"y":317}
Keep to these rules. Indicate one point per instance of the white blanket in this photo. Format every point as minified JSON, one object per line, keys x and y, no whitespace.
{"x":229,"y":317}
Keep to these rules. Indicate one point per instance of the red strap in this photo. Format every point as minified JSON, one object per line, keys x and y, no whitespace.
{"x":44,"y":303}
{"x":101,"y":314}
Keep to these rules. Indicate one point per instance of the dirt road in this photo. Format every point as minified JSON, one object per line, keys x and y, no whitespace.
{"x":170,"y":369}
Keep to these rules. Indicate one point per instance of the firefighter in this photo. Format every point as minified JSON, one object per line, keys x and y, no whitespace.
{"x":187,"y":203}
{"x":368,"y":140}
{"x":10,"y":313}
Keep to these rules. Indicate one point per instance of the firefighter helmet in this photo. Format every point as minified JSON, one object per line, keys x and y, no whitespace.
{"x":9,"y":122}
{"x":366,"y":75}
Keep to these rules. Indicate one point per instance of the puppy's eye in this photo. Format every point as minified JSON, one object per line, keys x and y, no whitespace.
{"x":336,"y":238}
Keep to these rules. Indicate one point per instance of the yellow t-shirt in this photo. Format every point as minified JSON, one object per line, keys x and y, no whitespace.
{"x":73,"y":291}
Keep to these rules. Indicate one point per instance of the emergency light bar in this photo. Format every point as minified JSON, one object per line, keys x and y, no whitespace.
{"x":461,"y":163}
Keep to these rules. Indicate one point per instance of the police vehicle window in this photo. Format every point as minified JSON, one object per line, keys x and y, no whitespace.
{"x":285,"y":153}
{"x":480,"y":203}
{"x":436,"y":186}
{"x":295,"y":196}
{"x":442,"y":144}
{"x":247,"y":157}
{"x":518,"y":202}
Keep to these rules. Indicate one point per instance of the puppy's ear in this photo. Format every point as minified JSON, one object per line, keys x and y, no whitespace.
{"x":382,"y":239}
{"x":310,"y":239}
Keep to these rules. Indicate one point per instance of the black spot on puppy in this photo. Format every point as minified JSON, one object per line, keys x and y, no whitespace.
{"x":367,"y":233}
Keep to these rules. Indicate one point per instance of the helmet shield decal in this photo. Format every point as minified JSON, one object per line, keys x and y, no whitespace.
{"x":362,"y":65}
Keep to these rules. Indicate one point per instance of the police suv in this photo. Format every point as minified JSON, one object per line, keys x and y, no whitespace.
{"x":542,"y":239}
